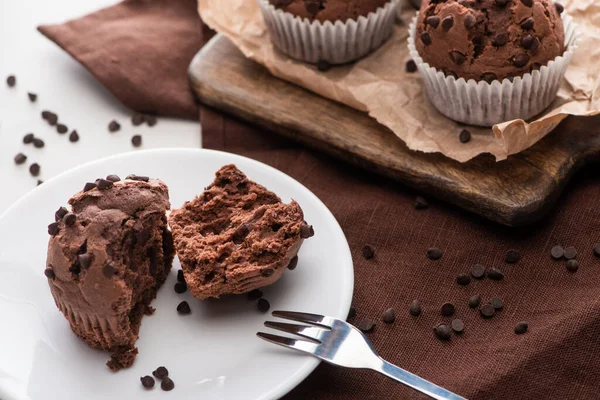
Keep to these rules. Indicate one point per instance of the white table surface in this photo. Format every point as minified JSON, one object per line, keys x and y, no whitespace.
{"x":65,"y":87}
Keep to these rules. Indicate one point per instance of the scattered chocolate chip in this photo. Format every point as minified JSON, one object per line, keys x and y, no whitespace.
{"x":138,"y":178}
{"x":597,"y":250}
{"x":521,"y":60}
{"x":411,"y":66}
{"x":570,"y":253}
{"x":448,"y":22}
{"x":433,"y":21}
{"x":46,"y":114}
{"x":136,"y":140}
{"x":61,"y":128}
{"x":28,"y":138}
{"x":161,"y":373}
{"x":521,"y":328}
{"x":137,"y":119}
{"x":465,"y":136}
{"x":527,"y":41}
{"x":32,"y":97}
{"x":151,"y":120}
{"x":557,"y":252}
{"x":60,"y":213}
{"x":114,"y":178}
{"x":167,"y":384}
{"x":255,"y":294}
{"x":368,"y":252}
{"x":463,"y":279}
{"x":457,"y":57}
{"x":147,"y":381}
{"x":447,"y":309}
{"x":470,"y":21}
{"x":426,"y":38}
{"x":85,"y":260}
{"x":184,"y":308}
{"x":38,"y":143}
{"x":70,"y":219}
{"x":572,"y":265}
{"x":474,"y":301}
{"x":351,"y":313}
{"x":495,"y":274}
{"x":89,"y":186}
{"x":366,"y":325}
{"x":559,"y":7}
{"x":113,"y":126}
{"x":512,"y":256}
{"x":497,"y":303}
{"x":527,"y":24}
{"x":293,"y":263}
{"x":502,"y":3}
{"x":11,"y":81}
{"x":39,"y":182}
{"x":20,"y":159}
{"x":263,"y":305}
{"x":434,"y":253}
{"x":180,"y":287}
{"x":49,"y":273}
{"x":389,"y":316}
{"x":500,"y":39}
{"x":487,"y":311}
{"x":323,"y":66}
{"x":267,"y":272}
{"x":34,"y":169}
{"x":109,"y":270}
{"x":415,"y":308}
{"x":74,"y":137}
{"x":307,"y":231}
{"x":442,"y":332}
{"x":527,"y":3}
{"x":421,"y":203}
{"x":53,"y":229}
{"x":478,"y":271}
{"x":52,"y":119}
{"x":458,"y":326}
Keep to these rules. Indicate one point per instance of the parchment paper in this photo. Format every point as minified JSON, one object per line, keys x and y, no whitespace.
{"x":380,"y":85}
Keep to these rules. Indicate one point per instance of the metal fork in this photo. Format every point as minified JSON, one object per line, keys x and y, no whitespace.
{"x":339,"y":343}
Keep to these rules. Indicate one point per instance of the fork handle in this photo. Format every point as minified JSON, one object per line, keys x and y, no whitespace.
{"x":415,"y":382}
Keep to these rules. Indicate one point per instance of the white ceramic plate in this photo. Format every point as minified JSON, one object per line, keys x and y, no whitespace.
{"x":211,"y":354}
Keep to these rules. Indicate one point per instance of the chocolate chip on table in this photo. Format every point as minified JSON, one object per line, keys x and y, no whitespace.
{"x":34,"y":169}
{"x":32,"y":97}
{"x":39,"y":182}
{"x":559,"y":7}
{"x":137,"y":178}
{"x":389,"y":316}
{"x":351,"y":313}
{"x":572,"y":265}
{"x":20,"y":159}
{"x":184,"y":308}
{"x":527,"y":24}
{"x":38,"y":143}
{"x":53,"y":229}
{"x":512,"y":256}
{"x":255,"y":294}
{"x":167,"y":384}
{"x":521,"y":60}
{"x":180,"y":287}
{"x":115,"y":178}
{"x":293,"y":263}
{"x":434,"y":253}
{"x":433,"y":21}
{"x":147,"y":381}
{"x":307,"y":231}
{"x":49,"y":273}
{"x":28,"y":138}
{"x":527,"y":3}
{"x":161,"y":373}
{"x":113,"y":126}
{"x":570,"y":253}
{"x":426,"y":38}
{"x":263,"y":305}
{"x":463,"y":279}
{"x":411,"y":66}
{"x":52,"y":119}
{"x":497,"y":303}
{"x":366,"y":325}
{"x":136,"y":140}
{"x":470,"y":21}
{"x":487,"y":311}
{"x":495,"y":274}
{"x":323,"y":66}
{"x":60,"y":213}
{"x":474,"y":301}
{"x":458,"y":326}
{"x":74,"y":137}
{"x":151,"y":120}
{"x":421,"y":203}
{"x":180,"y":276}
{"x":267,"y":272}
{"x":448,"y":22}
{"x":46,"y":114}
{"x":11,"y":81}
{"x":85,"y":260}
{"x":500,"y":39}
{"x":597,"y":250}
{"x":521,"y":328}
{"x":457,"y":57}
{"x":61,"y":128}
{"x":368,"y":252}
{"x":557,"y":252}
{"x":442,"y":332}
{"x":465,"y":136}
{"x":478,"y":271}
{"x":415,"y":308}
{"x":138,"y":119}
{"x":447,"y":309}
{"x":70,"y":219}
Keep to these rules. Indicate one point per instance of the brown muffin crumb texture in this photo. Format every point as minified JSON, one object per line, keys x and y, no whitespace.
{"x":329,"y":10}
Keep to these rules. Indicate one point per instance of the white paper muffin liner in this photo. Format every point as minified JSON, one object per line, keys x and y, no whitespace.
{"x":488,"y":104}
{"x":335,"y":43}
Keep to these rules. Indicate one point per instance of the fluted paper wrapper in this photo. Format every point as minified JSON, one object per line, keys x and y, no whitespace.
{"x":379,"y":84}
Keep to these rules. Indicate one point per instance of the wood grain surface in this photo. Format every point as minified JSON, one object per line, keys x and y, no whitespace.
{"x":517,"y":191}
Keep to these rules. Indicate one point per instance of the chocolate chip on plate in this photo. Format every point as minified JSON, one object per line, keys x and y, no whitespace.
{"x":263,"y":305}
{"x":85,"y":260}
{"x":113,"y":126}
{"x":151,"y":120}
{"x":255,"y":294}
{"x":497,"y":303}
{"x":136,"y":140}
{"x":557,"y":252}
{"x":20,"y":159}
{"x":49,"y":273}
{"x":293,"y":263}
{"x":180,"y":287}
{"x":448,"y":22}
{"x":34,"y":169}
{"x":463,"y":279}
{"x":38,"y":143}
{"x":61,"y":128}
{"x":323,"y":66}
{"x":433,"y":21}
{"x":415,"y":308}
{"x":184,"y":308}
{"x":421,"y":203}
{"x":70,"y":219}
{"x":495,"y":274}
{"x":39,"y":182}
{"x":434,"y":253}
{"x":161,"y":373}
{"x":104,"y":184}
{"x":60,"y":213}
{"x":512,"y":256}
{"x":167,"y":384}
{"x":32,"y":97}
{"x":74,"y":137}
{"x":115,"y":178}
{"x":487,"y":311}
{"x":138,"y":119}
{"x":478,"y":271}
{"x":368,"y":252}
{"x":572,"y":265}
{"x":442,"y":332}
{"x":458,"y":326}
{"x":28,"y":138}
{"x":389,"y":316}
{"x":464,"y":136}
{"x":366,"y":325}
{"x":570,"y":253}
{"x":474,"y":301}
{"x":52,"y":119}
{"x":147,"y":381}
{"x":109,"y":270}
{"x":53,"y":229}
{"x":521,"y":328}
{"x":411,"y":66}
{"x":527,"y":24}
{"x":447,"y":309}
{"x":307,"y":231}
{"x":11,"y":81}
{"x":89,"y":186}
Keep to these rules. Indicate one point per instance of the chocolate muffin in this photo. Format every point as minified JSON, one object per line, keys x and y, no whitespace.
{"x":107,"y":258}
{"x":489,"y":39}
{"x":236,"y":236}
{"x":329,"y":10}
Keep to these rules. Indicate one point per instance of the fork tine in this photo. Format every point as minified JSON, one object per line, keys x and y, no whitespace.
{"x":308,"y":332}
{"x":295,"y":344}
{"x":314,"y":319}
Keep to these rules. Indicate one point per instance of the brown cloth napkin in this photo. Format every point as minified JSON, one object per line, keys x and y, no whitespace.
{"x":557,"y":359}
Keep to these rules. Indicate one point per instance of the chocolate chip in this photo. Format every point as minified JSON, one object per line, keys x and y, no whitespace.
{"x":389,"y":316}
{"x":32,"y":97}
{"x":136,"y":140}
{"x":448,"y":22}
{"x":521,"y":60}
{"x":368,"y":252}
{"x":89,"y":186}
{"x":20,"y":159}
{"x":415,"y":308}
{"x":151,"y":120}
{"x":572,"y":265}
{"x":458,"y":326}
{"x":470,"y":21}
{"x":411,"y":66}
{"x":74,"y":137}
{"x":421,"y":203}
{"x":53,"y":229}
{"x":263,"y":305}
{"x":528,"y":3}
{"x":161,"y":373}
{"x":465,"y":136}
{"x":113,"y":126}
{"x":527,"y":24}
{"x":180,"y":287}
{"x":267,"y":272}
{"x":433,"y":21}
{"x":457,"y":57}
{"x":478,"y":271}
{"x":442,"y":332}
{"x":70,"y":219}
{"x":114,"y":178}
{"x":521,"y":328}
{"x":487,"y":311}
{"x":557,"y":252}
{"x":167,"y":384}
{"x":559,"y":7}
{"x":39,"y":182}
{"x":366,"y":325}
{"x":138,"y":178}
{"x":495,"y":274}
{"x":85,"y":260}
{"x":463,"y":279}
{"x":434,"y":253}
{"x":109,"y":270}
{"x":11,"y":81}
{"x":104,"y":184}
{"x":313,"y":7}
{"x":597,"y":250}
{"x":61,"y":128}
{"x":38,"y":143}
{"x":293,"y":263}
{"x":147,"y":381}
{"x":52,"y":119}
{"x":323,"y":66}
{"x":60,"y":213}
{"x":307,"y":231}
{"x":137,"y":119}
{"x":527,"y":41}
{"x":255,"y":294}
{"x":46,"y":114}
{"x":447,"y":309}
{"x":497,"y":303}
{"x":500,"y":39}
{"x":570,"y":253}
{"x":75,"y":269}
{"x":34,"y":169}
{"x":502,"y":3}
{"x":474,"y":301}
{"x":184,"y":308}
{"x":512,"y":256}
{"x":28,"y":138}
{"x":49,"y":273}
{"x":426,"y":38}
{"x":351,"y":313}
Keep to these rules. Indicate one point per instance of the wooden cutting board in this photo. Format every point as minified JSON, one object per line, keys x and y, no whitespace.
{"x":517,"y":191}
